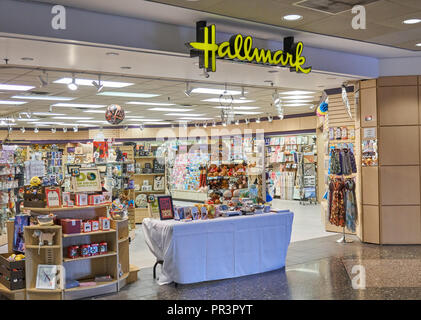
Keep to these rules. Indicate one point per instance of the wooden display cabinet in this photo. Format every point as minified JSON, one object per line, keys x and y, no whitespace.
{"x":81,"y":268}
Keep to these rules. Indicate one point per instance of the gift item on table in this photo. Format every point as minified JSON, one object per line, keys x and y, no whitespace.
{"x":70,"y":226}
{"x":86,"y":226}
{"x":103,"y":248}
{"x":81,"y":199}
{"x":73,"y":252}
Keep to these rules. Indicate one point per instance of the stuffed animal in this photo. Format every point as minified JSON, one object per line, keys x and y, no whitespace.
{"x":44,"y":236}
{"x":213,"y":170}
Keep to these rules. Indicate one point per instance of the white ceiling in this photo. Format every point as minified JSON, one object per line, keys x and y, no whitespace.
{"x":386,"y":14}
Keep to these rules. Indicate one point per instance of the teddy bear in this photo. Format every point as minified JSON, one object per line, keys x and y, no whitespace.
{"x":213,"y":170}
{"x":224,"y":171}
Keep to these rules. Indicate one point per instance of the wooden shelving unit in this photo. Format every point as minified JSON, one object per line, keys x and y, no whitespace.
{"x":114,"y":263}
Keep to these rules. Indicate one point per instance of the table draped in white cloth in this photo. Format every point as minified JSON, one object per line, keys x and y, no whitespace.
{"x":220,"y":248}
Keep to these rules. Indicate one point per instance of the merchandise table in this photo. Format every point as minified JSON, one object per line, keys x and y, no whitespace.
{"x":220,"y":248}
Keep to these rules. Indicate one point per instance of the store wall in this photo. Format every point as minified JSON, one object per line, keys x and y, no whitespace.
{"x":391,"y":191}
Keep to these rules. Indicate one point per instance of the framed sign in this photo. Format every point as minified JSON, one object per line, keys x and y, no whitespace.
{"x":74,"y":170}
{"x":53,"y":196}
{"x":46,"y":277}
{"x":166,"y":208}
{"x":89,"y":180}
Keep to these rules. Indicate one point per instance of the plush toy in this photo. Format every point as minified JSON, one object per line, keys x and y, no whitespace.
{"x":224,"y":171}
{"x":35,"y":181}
{"x":240,"y":171}
{"x":44,"y":236}
{"x":227,"y":195}
{"x":213,"y":170}
{"x":231,"y":170}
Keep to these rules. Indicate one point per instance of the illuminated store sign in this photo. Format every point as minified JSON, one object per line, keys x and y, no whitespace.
{"x":240,"y":48}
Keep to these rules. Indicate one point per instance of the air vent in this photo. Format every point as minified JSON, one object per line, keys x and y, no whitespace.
{"x":332,"y":6}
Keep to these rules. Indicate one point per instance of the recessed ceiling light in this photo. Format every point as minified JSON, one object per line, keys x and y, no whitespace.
{"x":150,"y":103}
{"x":411,"y":21}
{"x":185,"y":114}
{"x":194,"y":118}
{"x":297,"y":97}
{"x":111,"y":53}
{"x":78,"y":105}
{"x":233,"y":101}
{"x":13,"y":87}
{"x":292,"y":17}
{"x":27,"y":59}
{"x":246,"y":112}
{"x":43,"y":97}
{"x":128,"y":94}
{"x":239,"y":108}
{"x":12,"y":102}
{"x":170,"y":109}
{"x":216,"y":91}
{"x":73,"y":118}
{"x":88,"y":82}
{"x":297,"y":92}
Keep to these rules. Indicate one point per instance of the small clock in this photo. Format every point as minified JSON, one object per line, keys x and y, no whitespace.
{"x":46,"y":277}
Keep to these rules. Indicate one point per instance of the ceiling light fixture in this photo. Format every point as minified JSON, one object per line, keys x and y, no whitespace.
{"x":233,"y":101}
{"x":205,"y":125}
{"x":43,"y":79}
{"x":22,"y":129}
{"x":292,"y":17}
{"x":188,"y":90}
{"x":128,"y":94}
{"x":243,"y":96}
{"x":11,"y":102}
{"x":72,"y":85}
{"x":258,"y":120}
{"x":411,"y":21}
{"x":297,"y":92}
{"x":75,"y":129}
{"x":111,"y":53}
{"x":216,"y":91}
{"x":194,"y":118}
{"x":79,"y":105}
{"x":125,"y":67}
{"x":270,"y":118}
{"x":150,"y":103}
{"x":205,"y":73}
{"x":88,"y":82}
{"x":237,"y":122}
{"x":98,"y":85}
{"x":36,"y":130}
{"x":73,"y":118}
{"x":246,"y":112}
{"x":13,"y":87}
{"x":64,"y":129}
{"x":418,"y":44}
{"x":214,"y":124}
{"x":27,"y":59}
{"x":53,"y":130}
{"x":247,"y":121}
{"x":170,"y":109}
{"x":141,"y":127}
{"x":43,"y":97}
{"x":186,"y":114}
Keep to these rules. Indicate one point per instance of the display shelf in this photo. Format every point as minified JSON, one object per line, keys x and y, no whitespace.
{"x":98,"y":285}
{"x":29,"y":246}
{"x":87,"y":233}
{"x":12,"y":294}
{"x":44,"y":291}
{"x":66,"y":208}
{"x":108,"y":254}
{"x":122,"y":240}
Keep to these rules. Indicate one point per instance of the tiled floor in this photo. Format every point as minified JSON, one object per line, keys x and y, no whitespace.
{"x":314,"y":270}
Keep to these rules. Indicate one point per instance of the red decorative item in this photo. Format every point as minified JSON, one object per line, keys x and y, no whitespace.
{"x":85,"y":250}
{"x":104,"y":224}
{"x":103,"y":248}
{"x":94,"y":249}
{"x":73,"y":252}
{"x":71,"y":225}
{"x":95,"y":225}
{"x":87,"y":226}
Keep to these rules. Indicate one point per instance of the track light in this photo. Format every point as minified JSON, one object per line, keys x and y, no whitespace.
{"x":312,"y":107}
{"x":98,"y":85}
{"x":247,"y":121}
{"x":10,"y":129}
{"x":214,"y":124}
{"x":276,"y":98}
{"x":141,"y":127}
{"x":196,"y":125}
{"x":258,"y":120}
{"x":205,"y":125}
{"x":126,"y":128}
{"x":237,"y":122}
{"x":75,"y":129}
{"x":188,"y":90}
{"x":36,"y":130}
{"x":242,"y":97}
{"x":42,"y":80}
{"x":53,"y":130}
{"x":224,"y":123}
{"x":64,"y":129}
{"x":172,"y":126}
{"x":270,"y":118}
{"x":72,"y":85}
{"x":22,"y":129}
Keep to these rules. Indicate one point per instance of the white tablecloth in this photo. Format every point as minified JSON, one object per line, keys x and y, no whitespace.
{"x":220,"y":248}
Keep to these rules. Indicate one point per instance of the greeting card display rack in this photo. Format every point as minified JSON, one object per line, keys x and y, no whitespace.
{"x":114,"y":263}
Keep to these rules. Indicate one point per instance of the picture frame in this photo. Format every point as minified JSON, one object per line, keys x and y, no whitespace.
{"x":46,"y":277}
{"x":89,"y":180}
{"x":74,"y":170}
{"x":53,"y":197}
{"x":166,"y":207}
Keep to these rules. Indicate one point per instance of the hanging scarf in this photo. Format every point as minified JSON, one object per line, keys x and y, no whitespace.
{"x":350,"y":205}
{"x":337,"y":205}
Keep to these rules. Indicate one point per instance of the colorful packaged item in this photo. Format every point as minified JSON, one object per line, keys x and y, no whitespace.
{"x":104,"y":224}
{"x":81,"y":199}
{"x":103,"y":248}
{"x":86,"y":226}
{"x":108,"y":197}
{"x":85,"y":250}
{"x":94,"y":249}
{"x":66,"y":199}
{"x":95,"y":225}
{"x":73,"y":252}
{"x":70,"y":226}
